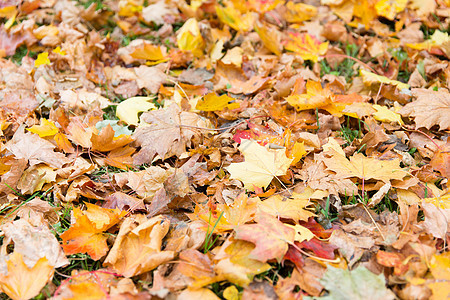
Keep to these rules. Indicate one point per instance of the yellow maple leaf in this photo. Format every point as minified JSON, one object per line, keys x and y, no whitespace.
{"x":383,"y":114}
{"x":261,"y":165}
{"x":270,"y":37}
{"x":235,"y":264}
{"x":390,"y":8}
{"x":189,"y":38}
{"x":23,"y":282}
{"x":42,"y":59}
{"x":364,"y":167}
{"x":128,"y":110}
{"x":212,"y":102}
{"x":307,"y":46}
{"x":46,"y":128}
{"x":232,"y":17}
{"x":370,"y":78}
{"x":293,"y":209}
{"x":149,"y":52}
{"x":299,"y":12}
{"x":315,"y":97}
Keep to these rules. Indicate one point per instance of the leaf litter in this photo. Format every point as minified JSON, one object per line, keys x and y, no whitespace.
{"x":224,"y":149}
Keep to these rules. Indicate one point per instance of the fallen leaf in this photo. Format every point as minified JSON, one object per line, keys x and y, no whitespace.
{"x":35,"y":149}
{"x":46,"y":128}
{"x":17,"y":284}
{"x":87,"y":234}
{"x":261,"y":165}
{"x":291,"y":208}
{"x":307,"y":46}
{"x":137,"y":248}
{"x":42,"y":59}
{"x":235,"y":263}
{"x":128,"y":110}
{"x":270,"y":236}
{"x":429,"y":109}
{"x":357,"y":284}
{"x":212,"y":102}
{"x":364,"y":167}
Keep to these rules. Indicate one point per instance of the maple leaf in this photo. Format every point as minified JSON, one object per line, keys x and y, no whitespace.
{"x":22,"y":282}
{"x":212,"y":102}
{"x":357,"y":284}
{"x":33,"y":243}
{"x":307,"y":46}
{"x":46,"y":128}
{"x":137,"y":248}
{"x":164,"y":133}
{"x":236,"y":265}
{"x":35,"y":149}
{"x":315,"y":97}
{"x":106,"y":141}
{"x":87,"y":234}
{"x":270,"y":236}
{"x":261,"y":165}
{"x":241,"y":211}
{"x":370,"y":78}
{"x":293,"y":209}
{"x":128,"y":110}
{"x":199,"y":267}
{"x":364,"y":167}
{"x":429,"y":109}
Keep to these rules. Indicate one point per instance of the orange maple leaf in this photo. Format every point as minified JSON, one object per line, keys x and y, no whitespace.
{"x":23,"y":282}
{"x":307,"y":46}
{"x":87,"y":234}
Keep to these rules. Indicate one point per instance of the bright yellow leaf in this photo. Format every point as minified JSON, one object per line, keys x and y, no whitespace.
{"x":299,"y":12}
{"x":58,"y":50}
{"x":128,"y":110}
{"x":390,"y":8}
{"x":370,"y":78}
{"x":233,"y":18}
{"x":189,"y":38}
{"x":42,"y":59}
{"x":212,"y":102}
{"x":307,"y":46}
{"x":46,"y":128}
{"x":383,"y":114}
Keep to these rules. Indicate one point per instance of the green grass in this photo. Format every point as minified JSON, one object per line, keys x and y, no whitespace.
{"x":345,"y":68}
{"x":21,"y":52}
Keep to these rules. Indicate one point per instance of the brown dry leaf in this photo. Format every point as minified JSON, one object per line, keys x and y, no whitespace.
{"x":270,"y":236}
{"x":33,"y":243}
{"x":429,"y":109}
{"x":35,"y":149}
{"x":137,"y":248}
{"x":164,"y":133}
